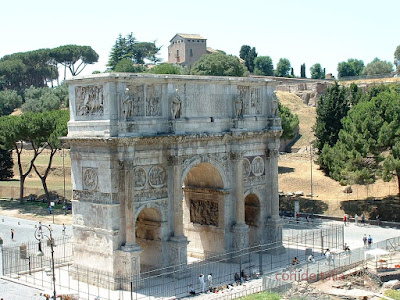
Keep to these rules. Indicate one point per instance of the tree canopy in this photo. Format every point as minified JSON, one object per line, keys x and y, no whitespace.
{"x":166,"y":68}
{"x":248,"y":54}
{"x":129,"y":48}
{"x":353,"y":67}
{"x":6,"y":164}
{"x":303,"y":71}
{"x":74,"y":57}
{"x":22,"y":70}
{"x":317,"y":72}
{"x":331,"y":108}
{"x":9,"y":100}
{"x":127,"y":65}
{"x":397,"y":57}
{"x":219,"y":64}
{"x":41,"y":131}
{"x":282,"y":68}
{"x":369,"y":143}
{"x":263,"y":66}
{"x":45,"y":99}
{"x":378,"y":66}
{"x":289,"y":121}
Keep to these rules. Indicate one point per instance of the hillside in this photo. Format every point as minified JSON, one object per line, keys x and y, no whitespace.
{"x":295,"y":168}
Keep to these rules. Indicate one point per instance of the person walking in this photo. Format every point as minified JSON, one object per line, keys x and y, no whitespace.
{"x":369,"y":241}
{"x":365,"y":240}
{"x":202,"y":283}
{"x":12,"y":234}
{"x":209,"y":281}
{"x":356,"y":219}
{"x":363,"y":219}
{"x":345,"y":220}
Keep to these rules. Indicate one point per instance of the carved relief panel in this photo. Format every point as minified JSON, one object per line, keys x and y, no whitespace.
{"x":250,"y":98}
{"x":139,"y":178}
{"x":141,"y":101}
{"x":157,"y":176}
{"x":89,"y":176}
{"x":89,"y":100}
{"x":253,"y":166}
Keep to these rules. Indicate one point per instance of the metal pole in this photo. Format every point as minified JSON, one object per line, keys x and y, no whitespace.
{"x":311,"y":165}
{"x":64,"y":204}
{"x":52,"y":263}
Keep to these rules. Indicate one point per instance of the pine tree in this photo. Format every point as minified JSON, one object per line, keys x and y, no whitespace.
{"x":303,"y":71}
{"x":6,"y":164}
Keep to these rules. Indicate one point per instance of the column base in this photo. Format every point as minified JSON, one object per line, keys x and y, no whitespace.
{"x":240,"y":243}
{"x":177,"y":255}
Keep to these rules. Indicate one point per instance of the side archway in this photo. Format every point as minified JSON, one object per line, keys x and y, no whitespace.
{"x":148,"y":237}
{"x":252,"y":218}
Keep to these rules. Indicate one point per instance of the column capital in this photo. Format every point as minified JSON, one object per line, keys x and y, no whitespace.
{"x":236,"y":155}
{"x":173,"y":160}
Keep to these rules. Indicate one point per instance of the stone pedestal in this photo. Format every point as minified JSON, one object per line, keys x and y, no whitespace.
{"x":240,"y":242}
{"x":272,"y":235}
{"x":127,"y":266}
{"x":177,"y":253}
{"x":177,"y":126}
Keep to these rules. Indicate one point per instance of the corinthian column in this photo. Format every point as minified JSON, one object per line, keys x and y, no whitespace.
{"x":273,"y":153}
{"x":240,"y":229}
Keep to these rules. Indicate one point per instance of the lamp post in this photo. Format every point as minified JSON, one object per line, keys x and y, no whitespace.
{"x":40,"y":236}
{"x":63,"y":157}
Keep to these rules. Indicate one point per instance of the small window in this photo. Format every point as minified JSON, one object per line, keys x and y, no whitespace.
{"x":198,"y":41}
{"x":177,"y":53}
{"x":191,"y":52}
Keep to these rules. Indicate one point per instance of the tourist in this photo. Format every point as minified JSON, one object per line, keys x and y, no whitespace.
{"x":311,"y":259}
{"x":346,"y":247}
{"x":63,"y":230}
{"x":12,"y":234}
{"x":369,"y":241}
{"x":237,"y":278}
{"x":191,"y":290}
{"x":295,"y":261}
{"x":328,"y":256}
{"x":297,"y":217}
{"x":345,"y":220}
{"x":202,"y":283}
{"x":365,"y":240}
{"x":363,"y":219}
{"x":209,"y":281}
{"x":244,"y":276}
{"x":356,"y":219}
{"x":378,"y":220}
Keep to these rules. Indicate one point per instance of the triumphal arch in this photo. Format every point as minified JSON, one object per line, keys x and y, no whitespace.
{"x":166,"y":166}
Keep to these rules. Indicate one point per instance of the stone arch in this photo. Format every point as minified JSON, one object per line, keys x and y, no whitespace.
{"x":149,"y":237}
{"x":203,"y":209}
{"x":252,"y":207}
{"x":198,"y":159}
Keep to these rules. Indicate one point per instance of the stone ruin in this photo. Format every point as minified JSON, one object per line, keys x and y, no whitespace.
{"x":166,"y":166}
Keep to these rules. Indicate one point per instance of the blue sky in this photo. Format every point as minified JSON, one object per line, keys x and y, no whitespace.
{"x":307,"y":31}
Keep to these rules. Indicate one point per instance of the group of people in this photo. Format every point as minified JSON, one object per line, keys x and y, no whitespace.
{"x":367,"y":241}
{"x":206,"y":284}
{"x":346,"y":219}
{"x":202,"y":281}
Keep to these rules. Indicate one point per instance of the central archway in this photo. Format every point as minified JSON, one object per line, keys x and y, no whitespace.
{"x":203,"y":211}
{"x":148,"y":237}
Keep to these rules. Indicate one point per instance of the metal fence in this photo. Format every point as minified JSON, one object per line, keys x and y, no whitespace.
{"x":22,"y":259}
{"x":299,"y":240}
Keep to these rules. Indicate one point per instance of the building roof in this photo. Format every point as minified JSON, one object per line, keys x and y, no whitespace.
{"x":189,"y":36}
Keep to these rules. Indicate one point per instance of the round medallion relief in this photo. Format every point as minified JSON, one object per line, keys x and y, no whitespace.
{"x":246,"y":168}
{"x":157,"y":176}
{"x":257,"y":166}
{"x":139,"y":178}
{"x":90,"y":179}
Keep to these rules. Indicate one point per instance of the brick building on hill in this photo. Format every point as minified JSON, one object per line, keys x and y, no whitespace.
{"x":186,"y":49}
